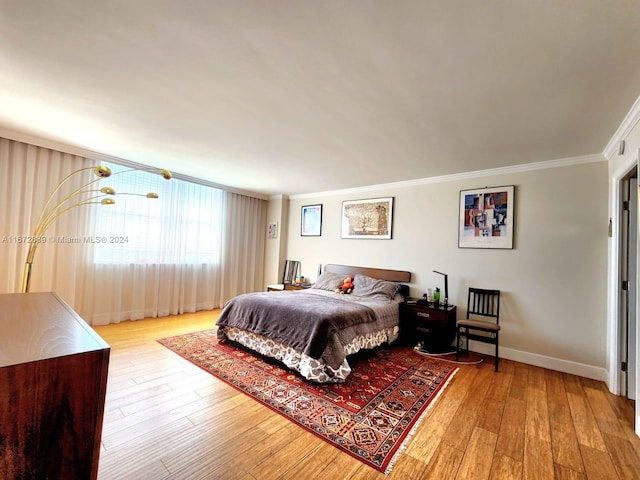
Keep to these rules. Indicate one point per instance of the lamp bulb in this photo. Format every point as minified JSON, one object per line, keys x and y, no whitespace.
{"x":102,"y":171}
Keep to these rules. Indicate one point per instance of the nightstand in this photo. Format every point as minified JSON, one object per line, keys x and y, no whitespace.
{"x":436,"y":327}
{"x":286,"y":286}
{"x":295,"y":286}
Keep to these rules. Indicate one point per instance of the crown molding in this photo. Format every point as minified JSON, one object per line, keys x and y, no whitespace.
{"x":630,"y":121}
{"x":83,"y":152}
{"x":527,"y":167}
{"x":279,"y":196}
{"x":632,"y":118}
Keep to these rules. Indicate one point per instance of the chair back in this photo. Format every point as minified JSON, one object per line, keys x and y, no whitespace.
{"x":484,"y":303}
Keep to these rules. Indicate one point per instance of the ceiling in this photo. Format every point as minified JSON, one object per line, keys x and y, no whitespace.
{"x":300,"y":96}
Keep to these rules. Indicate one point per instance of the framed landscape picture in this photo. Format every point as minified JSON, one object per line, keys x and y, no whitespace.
{"x":371,"y":218}
{"x":486,"y":218}
{"x":311,"y":221}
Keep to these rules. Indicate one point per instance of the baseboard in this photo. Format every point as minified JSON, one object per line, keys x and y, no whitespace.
{"x":558,"y":364}
{"x":110,"y":317}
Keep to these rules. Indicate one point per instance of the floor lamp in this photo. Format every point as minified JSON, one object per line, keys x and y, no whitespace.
{"x":85,"y":195}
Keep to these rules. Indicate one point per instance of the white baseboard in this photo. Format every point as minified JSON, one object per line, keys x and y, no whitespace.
{"x":558,"y":364}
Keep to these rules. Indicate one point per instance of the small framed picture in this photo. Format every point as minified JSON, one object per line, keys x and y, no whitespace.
{"x":371,"y":218}
{"x":486,"y":218}
{"x":311,"y":221}
{"x":273,"y":230}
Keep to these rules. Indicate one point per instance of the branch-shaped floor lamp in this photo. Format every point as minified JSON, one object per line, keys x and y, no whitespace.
{"x":82,"y":196}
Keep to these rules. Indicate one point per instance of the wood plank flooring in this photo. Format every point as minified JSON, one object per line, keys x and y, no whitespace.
{"x":167,"y":419}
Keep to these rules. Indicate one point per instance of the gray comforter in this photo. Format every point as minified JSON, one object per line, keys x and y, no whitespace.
{"x":301,"y":320}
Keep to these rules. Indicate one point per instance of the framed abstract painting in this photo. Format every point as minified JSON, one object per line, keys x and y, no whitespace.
{"x":311,"y":221}
{"x":486,"y":218}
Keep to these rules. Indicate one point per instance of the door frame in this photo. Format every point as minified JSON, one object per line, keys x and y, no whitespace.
{"x":615,"y":320}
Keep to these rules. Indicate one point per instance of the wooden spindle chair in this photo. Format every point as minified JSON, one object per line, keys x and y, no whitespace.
{"x":483,"y":320}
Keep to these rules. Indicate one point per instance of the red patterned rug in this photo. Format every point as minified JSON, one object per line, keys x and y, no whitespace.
{"x":370,"y":416}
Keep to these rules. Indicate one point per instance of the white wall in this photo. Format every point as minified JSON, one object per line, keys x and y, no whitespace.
{"x":554,"y":281}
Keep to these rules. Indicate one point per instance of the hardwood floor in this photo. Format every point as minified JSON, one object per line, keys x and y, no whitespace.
{"x":167,"y":419}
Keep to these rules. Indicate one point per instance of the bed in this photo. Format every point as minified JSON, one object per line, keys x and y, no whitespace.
{"x":314,"y":330}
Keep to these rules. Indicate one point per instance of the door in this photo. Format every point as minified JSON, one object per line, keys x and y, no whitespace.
{"x":629,"y":285}
{"x":632,"y":318}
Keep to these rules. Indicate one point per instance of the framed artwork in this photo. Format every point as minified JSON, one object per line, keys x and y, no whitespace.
{"x":311,"y":221}
{"x":273,"y":230}
{"x":486,"y":218}
{"x":371,"y":218}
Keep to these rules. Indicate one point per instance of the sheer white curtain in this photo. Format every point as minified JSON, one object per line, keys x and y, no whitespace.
{"x":28,"y":174}
{"x":191,"y":249}
{"x":155,"y":257}
{"x":243,"y":245}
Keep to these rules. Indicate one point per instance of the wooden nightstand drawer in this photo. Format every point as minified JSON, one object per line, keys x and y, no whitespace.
{"x":420,"y":314}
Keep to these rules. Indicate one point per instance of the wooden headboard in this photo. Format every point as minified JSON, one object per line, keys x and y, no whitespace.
{"x":380,"y":273}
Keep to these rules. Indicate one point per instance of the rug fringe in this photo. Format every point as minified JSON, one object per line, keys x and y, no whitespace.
{"x":405,"y":442}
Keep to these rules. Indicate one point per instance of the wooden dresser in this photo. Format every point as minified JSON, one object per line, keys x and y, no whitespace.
{"x":53,"y":380}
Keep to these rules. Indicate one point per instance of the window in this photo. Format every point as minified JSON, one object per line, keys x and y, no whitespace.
{"x":182,"y":226}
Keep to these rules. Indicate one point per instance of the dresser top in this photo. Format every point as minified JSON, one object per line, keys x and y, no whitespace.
{"x":40,"y":326}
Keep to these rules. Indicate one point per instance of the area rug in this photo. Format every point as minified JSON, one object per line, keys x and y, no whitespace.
{"x":370,"y":416}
